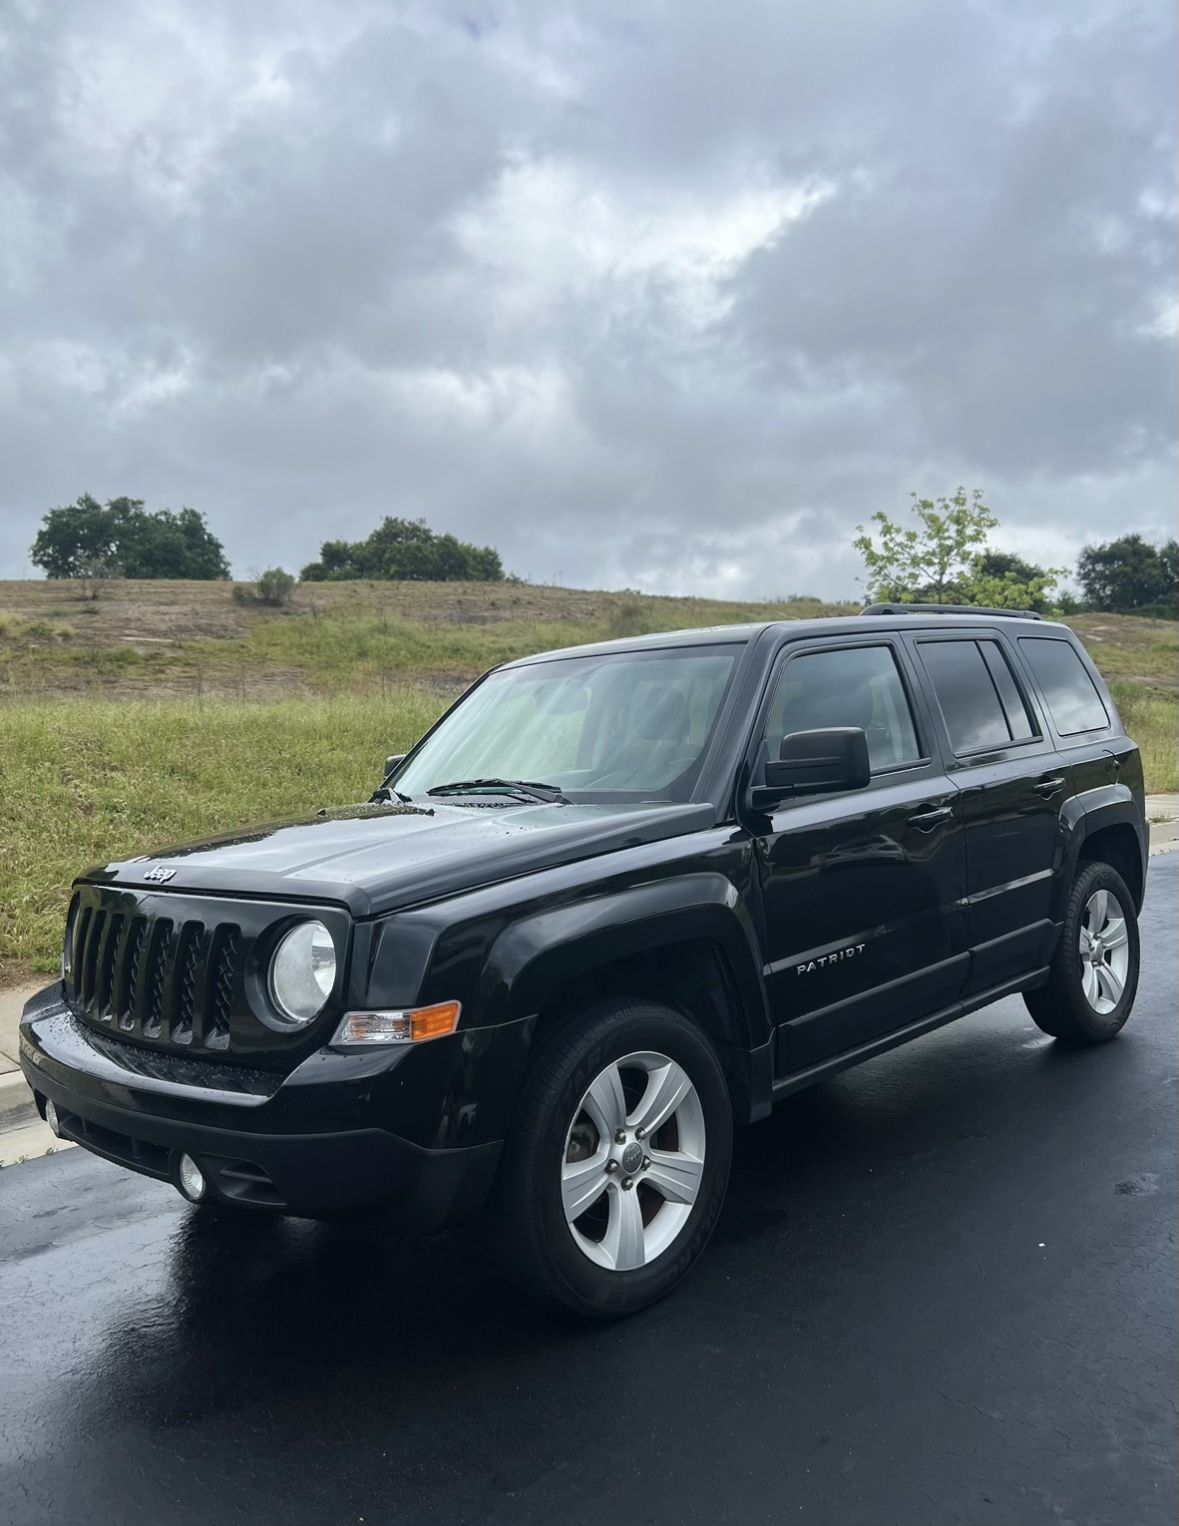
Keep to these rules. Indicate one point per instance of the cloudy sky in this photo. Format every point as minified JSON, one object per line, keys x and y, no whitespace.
{"x":660,"y":295}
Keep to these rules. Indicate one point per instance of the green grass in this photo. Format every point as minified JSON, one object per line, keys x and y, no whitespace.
{"x":160,"y":640}
{"x":92,"y":781}
{"x":1149,"y":716}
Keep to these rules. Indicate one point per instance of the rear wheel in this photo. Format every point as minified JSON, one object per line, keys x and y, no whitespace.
{"x":617,"y":1169}
{"x":1094,"y":974}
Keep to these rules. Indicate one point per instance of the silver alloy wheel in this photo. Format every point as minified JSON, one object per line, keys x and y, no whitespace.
{"x":1105,"y":951}
{"x":630,"y":1174}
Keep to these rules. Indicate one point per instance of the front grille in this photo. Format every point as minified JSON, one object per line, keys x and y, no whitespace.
{"x":180,"y":972}
{"x":155,"y":979}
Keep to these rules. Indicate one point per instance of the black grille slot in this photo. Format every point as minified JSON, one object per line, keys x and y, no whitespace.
{"x":107,"y":964}
{"x":190,"y":963}
{"x":223,"y":958}
{"x":159,"y":970}
{"x":93,"y":937}
{"x":126,"y":1008}
{"x":78,"y":953}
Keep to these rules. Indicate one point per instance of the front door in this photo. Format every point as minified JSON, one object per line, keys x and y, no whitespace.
{"x":861,"y":891}
{"x":1013,"y":785}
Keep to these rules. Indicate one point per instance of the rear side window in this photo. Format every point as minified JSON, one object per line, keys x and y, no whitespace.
{"x":1071,"y":695}
{"x":979,"y":699}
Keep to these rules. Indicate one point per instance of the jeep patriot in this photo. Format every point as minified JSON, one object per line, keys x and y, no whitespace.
{"x":618,"y":900}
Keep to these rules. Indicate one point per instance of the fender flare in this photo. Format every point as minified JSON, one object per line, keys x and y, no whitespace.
{"x":1111,"y":805}
{"x":535,"y":956}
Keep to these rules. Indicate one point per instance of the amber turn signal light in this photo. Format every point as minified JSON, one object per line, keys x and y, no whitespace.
{"x":405,"y":1026}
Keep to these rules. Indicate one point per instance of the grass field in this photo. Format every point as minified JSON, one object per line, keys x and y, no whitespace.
{"x":166,"y":711}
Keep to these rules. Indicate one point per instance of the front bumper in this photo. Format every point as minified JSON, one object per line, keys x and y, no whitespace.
{"x":314,"y":1142}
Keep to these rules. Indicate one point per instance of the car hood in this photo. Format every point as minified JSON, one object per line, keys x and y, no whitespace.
{"x":376,"y":858}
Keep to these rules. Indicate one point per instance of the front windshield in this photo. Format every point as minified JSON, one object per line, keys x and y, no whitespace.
{"x":622,"y":725}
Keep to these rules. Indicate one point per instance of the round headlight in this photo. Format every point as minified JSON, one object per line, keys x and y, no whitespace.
{"x":303,"y":971}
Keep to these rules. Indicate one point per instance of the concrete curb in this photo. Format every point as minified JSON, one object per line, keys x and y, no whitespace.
{"x":1164,"y":836}
{"x":16,"y":1101}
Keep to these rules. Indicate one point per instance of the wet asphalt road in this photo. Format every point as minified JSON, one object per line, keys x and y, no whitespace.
{"x":943,"y":1290}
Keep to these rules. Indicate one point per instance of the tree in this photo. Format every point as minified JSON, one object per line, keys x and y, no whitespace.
{"x":1025,"y":586}
{"x":928,"y":558}
{"x":1128,"y":573}
{"x":1169,"y":568}
{"x":74,"y":536}
{"x":941,"y":559}
{"x":123,"y":536}
{"x":993,"y":563}
{"x":405,"y":550}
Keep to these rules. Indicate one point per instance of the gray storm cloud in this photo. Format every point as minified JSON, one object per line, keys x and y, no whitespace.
{"x":664,"y":295}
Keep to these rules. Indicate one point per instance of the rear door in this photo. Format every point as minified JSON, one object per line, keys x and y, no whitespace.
{"x":1004,"y":760}
{"x":862,"y":891}
{"x":1077,"y":712}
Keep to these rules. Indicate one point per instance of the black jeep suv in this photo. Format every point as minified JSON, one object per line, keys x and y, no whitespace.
{"x":619,"y":899}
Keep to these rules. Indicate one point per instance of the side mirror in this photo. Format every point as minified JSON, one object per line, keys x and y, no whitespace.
{"x":813,"y":763}
{"x":392,"y":761}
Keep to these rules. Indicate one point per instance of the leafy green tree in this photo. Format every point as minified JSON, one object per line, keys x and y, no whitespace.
{"x":79,"y":534}
{"x":925,"y":559}
{"x":993,"y":563}
{"x":940,"y":559}
{"x":123,"y":536}
{"x":1128,"y":573}
{"x":1033,"y":589}
{"x":405,"y":550}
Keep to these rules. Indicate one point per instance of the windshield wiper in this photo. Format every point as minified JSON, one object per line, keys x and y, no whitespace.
{"x":549,"y":793}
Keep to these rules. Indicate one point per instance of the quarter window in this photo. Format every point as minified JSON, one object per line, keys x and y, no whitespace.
{"x":1070,"y":693}
{"x":846,"y":686}
{"x":1011,"y":699}
{"x":980,"y":702}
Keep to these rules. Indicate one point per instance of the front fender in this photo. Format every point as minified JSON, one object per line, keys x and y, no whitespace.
{"x":535,"y":956}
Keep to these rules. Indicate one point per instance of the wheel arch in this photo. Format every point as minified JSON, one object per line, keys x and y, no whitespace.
{"x":686,"y":943}
{"x":1118,"y":846}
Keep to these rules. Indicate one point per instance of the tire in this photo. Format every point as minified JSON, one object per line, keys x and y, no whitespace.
{"x":1091,"y":988}
{"x":605,"y":1226}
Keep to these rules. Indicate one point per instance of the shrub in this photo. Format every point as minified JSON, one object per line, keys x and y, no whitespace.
{"x":275,"y":587}
{"x":628,"y":615}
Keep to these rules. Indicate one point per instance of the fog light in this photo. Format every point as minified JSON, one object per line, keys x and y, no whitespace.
{"x":191,"y":1179}
{"x":52,"y":1119}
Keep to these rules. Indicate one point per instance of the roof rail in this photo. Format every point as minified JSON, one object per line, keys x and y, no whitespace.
{"x":947,"y":609}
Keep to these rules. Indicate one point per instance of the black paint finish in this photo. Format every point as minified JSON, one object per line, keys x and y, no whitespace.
{"x":799,"y":940}
{"x":943,"y":1290}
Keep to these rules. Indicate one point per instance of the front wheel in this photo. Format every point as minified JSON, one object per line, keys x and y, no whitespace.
{"x":615,"y":1174}
{"x":1094,"y":973}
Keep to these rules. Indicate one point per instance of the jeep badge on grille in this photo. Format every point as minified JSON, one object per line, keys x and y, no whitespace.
{"x":159,"y":875}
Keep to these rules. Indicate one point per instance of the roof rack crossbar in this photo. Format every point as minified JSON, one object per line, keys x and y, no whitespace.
{"x":947,"y":609}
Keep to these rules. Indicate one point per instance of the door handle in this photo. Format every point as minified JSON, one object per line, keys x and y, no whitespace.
{"x":925,"y":821}
{"x":1049,"y":787}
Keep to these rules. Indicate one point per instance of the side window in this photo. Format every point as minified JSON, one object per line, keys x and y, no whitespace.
{"x":1014,"y":705}
{"x":1071,"y":694}
{"x":846,"y":686}
{"x":964,"y":683}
